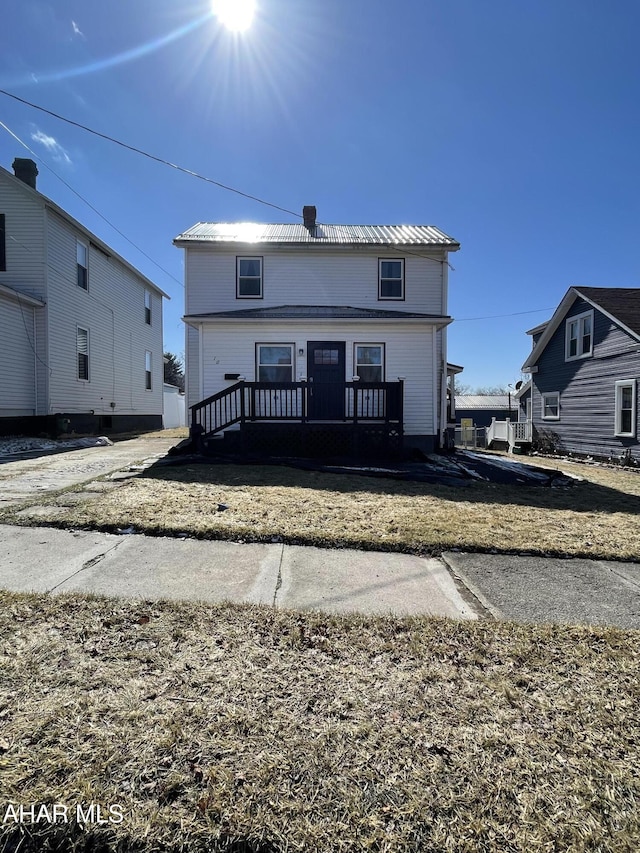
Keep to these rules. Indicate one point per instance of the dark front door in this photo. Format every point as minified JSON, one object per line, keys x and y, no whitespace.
{"x":325,"y":372}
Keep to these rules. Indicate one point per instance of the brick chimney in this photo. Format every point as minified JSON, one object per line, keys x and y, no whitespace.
{"x":309,"y":216}
{"x":26,"y":170}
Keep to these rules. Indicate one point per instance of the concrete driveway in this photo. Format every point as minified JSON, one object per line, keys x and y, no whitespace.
{"x":27,"y":479}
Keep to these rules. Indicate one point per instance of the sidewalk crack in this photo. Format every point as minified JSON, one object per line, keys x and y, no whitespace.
{"x":87,"y":565}
{"x":279,"y":578}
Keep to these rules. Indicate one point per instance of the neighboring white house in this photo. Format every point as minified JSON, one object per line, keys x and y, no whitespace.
{"x":333,"y":324}
{"x":80,"y":328}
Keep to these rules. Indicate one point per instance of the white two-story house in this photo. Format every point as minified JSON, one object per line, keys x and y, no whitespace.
{"x":317,"y":338}
{"x":80,"y":328}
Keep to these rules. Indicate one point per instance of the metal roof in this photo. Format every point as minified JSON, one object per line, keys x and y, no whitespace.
{"x":371,"y":235}
{"x":318,"y":312}
{"x":484,"y":401}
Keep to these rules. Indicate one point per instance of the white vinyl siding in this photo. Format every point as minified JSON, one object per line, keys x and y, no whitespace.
{"x":625,"y":418}
{"x":111,"y":310}
{"x":25,"y":268}
{"x":17,"y":355}
{"x":299,"y":278}
{"x":409,"y":352}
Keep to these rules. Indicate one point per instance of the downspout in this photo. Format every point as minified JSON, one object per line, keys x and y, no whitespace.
{"x":434,"y":396}
{"x":35,"y":360}
{"x":444,"y":378}
{"x":201,"y":360}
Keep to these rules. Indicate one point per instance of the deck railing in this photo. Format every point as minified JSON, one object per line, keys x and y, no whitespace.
{"x":304,"y":402}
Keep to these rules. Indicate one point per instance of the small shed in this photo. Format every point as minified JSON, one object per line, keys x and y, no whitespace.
{"x":481,"y":408}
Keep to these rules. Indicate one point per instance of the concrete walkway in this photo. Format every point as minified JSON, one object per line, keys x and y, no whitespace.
{"x":458,"y":585}
{"x":48,"y":560}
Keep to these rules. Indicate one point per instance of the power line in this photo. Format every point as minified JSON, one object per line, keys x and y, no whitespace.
{"x":95,"y":210}
{"x":150,"y":156}
{"x":499,"y":316}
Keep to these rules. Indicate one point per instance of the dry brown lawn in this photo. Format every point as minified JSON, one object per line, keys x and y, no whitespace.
{"x":239,"y":728}
{"x":596,"y":517}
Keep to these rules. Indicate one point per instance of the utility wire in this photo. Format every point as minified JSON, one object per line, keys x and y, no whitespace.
{"x":150,"y":156}
{"x":95,"y":210}
{"x":498,"y":316}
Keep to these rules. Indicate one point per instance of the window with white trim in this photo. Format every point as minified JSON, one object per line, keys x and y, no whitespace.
{"x":369,"y":362}
{"x":147,"y":307}
{"x":274,"y":362}
{"x":82,"y":353}
{"x":579,"y":336}
{"x":249,"y":278}
{"x":551,"y":406}
{"x":82,"y":261}
{"x":147,"y":371}
{"x":391,"y":278}
{"x":625,"y":424}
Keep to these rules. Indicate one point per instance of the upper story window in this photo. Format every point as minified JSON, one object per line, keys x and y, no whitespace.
{"x":579,"y":336}
{"x":274,"y":362}
{"x":82,"y":350}
{"x":82,"y":257}
{"x":391,"y":278}
{"x":625,"y":424}
{"x":3,"y":244}
{"x":369,"y":362}
{"x":147,"y":307}
{"x":249,"y":278}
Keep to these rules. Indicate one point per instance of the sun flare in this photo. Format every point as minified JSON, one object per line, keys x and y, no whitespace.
{"x":235,"y":15}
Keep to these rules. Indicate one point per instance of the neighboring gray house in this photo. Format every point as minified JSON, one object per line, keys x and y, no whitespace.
{"x":585,"y":369}
{"x":482,"y":408}
{"x":317,"y":337}
{"x":80,"y":328}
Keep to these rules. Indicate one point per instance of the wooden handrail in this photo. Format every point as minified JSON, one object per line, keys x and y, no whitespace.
{"x":350,"y":402}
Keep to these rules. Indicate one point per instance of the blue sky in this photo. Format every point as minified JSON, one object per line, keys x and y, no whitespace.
{"x":514,"y":127}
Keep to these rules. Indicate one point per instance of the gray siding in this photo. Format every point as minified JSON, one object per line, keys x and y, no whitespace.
{"x":587,"y":388}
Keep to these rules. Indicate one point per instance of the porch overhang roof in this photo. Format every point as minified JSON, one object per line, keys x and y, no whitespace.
{"x":296,"y":313}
